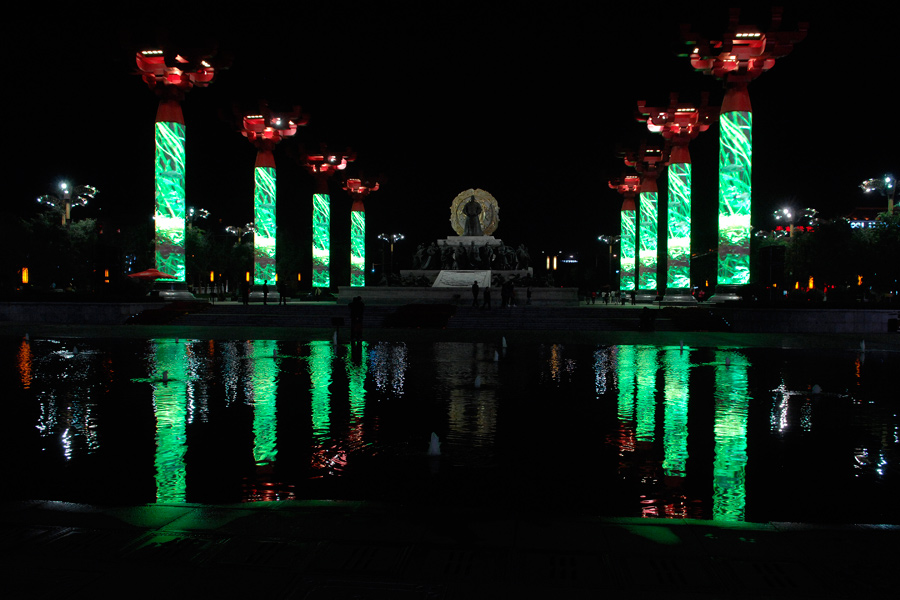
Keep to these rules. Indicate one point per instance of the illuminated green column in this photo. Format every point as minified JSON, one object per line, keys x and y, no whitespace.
{"x":678,"y":234}
{"x":627,"y":250}
{"x":647,"y":255}
{"x":730,"y":436}
{"x":735,"y":153}
{"x":169,"y":214}
{"x":357,"y":248}
{"x":264,"y":220}
{"x":321,"y":240}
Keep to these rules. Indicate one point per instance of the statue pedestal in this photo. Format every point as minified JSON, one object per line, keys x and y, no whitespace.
{"x":467,"y":240}
{"x":462,"y":278}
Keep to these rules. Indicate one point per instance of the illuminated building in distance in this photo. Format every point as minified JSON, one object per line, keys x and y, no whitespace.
{"x":742,"y":54}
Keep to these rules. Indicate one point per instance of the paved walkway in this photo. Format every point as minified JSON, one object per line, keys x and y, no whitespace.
{"x":319,"y":550}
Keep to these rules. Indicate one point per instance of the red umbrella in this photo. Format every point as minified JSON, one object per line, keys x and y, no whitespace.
{"x":152,"y":274}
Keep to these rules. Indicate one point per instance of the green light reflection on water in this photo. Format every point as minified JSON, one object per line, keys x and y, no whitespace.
{"x":321,"y":354}
{"x":264,"y":371}
{"x":677,"y":365}
{"x":732,"y":400}
{"x":170,"y":410}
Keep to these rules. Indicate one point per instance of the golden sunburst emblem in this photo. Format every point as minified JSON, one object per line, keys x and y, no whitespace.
{"x":490,"y":211}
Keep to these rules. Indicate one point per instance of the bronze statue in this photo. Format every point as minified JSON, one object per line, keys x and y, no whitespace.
{"x":472,"y":210}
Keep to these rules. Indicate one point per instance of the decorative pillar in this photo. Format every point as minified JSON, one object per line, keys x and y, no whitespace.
{"x":678,"y":124}
{"x":323,"y":166}
{"x":741,"y":55}
{"x":170,"y":76}
{"x":264,"y":130}
{"x":628,"y":187}
{"x":358,"y":190}
{"x":647,"y":162}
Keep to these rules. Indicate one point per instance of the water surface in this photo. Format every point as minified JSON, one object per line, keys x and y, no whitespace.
{"x":733,"y":434}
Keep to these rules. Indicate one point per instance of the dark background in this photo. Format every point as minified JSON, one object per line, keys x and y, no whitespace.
{"x":529,"y":104}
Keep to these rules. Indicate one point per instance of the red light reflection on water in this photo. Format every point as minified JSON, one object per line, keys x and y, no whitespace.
{"x":24,"y":359}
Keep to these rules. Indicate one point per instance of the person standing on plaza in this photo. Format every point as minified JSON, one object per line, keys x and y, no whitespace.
{"x":487,"y":298}
{"x":475,"y":294}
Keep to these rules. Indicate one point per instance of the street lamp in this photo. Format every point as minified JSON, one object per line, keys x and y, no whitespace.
{"x":807,"y":216}
{"x":69,"y":197}
{"x":886,"y":186}
{"x":240,"y":232}
{"x":390,"y":238}
{"x":610,"y":241}
{"x":196,"y":213}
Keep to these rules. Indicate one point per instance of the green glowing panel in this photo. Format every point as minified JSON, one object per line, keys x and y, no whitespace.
{"x":627,"y":250}
{"x":678,"y":235}
{"x":647,"y":256}
{"x":646,"y":393}
{"x":735,"y":153}
{"x":321,"y":354}
{"x":321,"y":234}
{"x":169,"y":214}
{"x":264,"y":219}
{"x":262,"y":392}
{"x":730,"y":436}
{"x":357,"y":248}
{"x":170,"y":408}
{"x":675,"y":416}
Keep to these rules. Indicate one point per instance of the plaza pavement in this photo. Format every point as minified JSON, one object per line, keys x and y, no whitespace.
{"x":366,"y":550}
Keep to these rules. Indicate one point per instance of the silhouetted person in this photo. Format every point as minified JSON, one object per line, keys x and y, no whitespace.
{"x":487,"y":298}
{"x":245,"y":293}
{"x":475,"y":294}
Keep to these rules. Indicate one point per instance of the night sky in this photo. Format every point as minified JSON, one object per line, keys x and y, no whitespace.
{"x":529,"y":104}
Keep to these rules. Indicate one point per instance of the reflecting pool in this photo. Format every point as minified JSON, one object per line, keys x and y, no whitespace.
{"x":732,"y":434}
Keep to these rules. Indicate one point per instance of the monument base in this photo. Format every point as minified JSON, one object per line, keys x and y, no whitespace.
{"x":727,"y":293}
{"x":646,"y":296}
{"x":679,"y":296}
{"x":468,"y":240}
{"x":462,"y":278}
{"x":171,"y":291}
